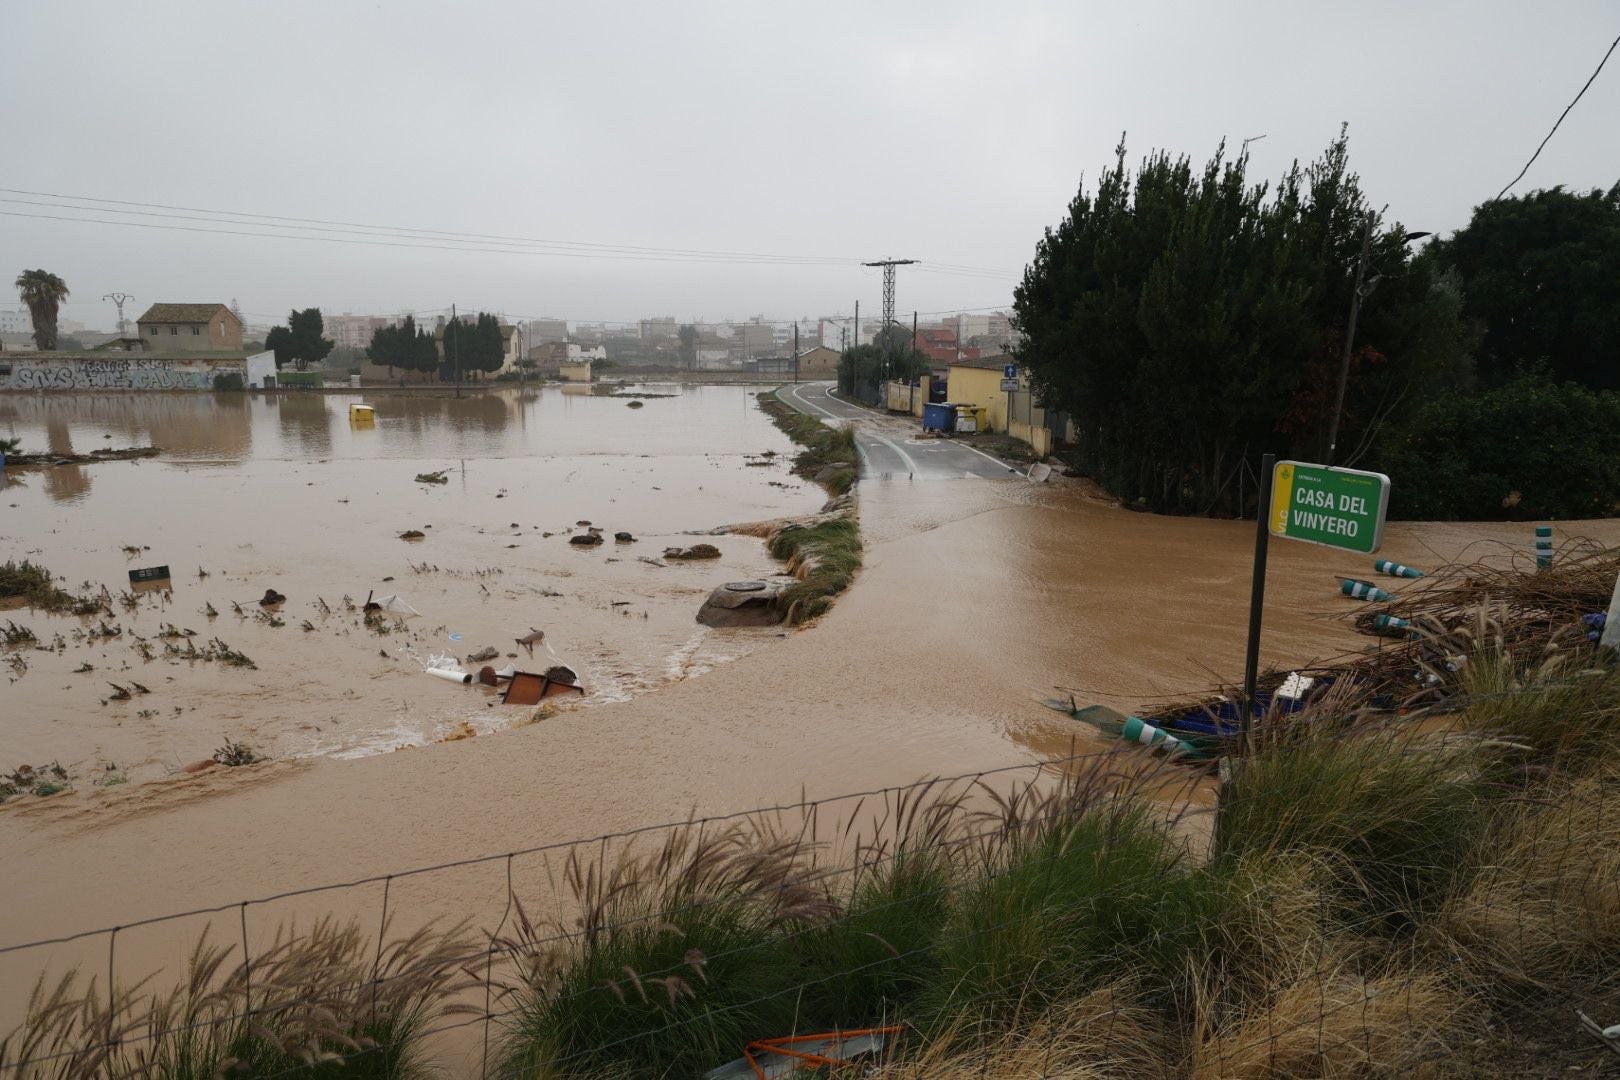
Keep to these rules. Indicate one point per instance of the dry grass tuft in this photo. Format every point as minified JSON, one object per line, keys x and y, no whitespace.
{"x":1544,"y":909}
{"x":1331,"y":1022}
{"x":1104,"y":1035}
{"x":314,"y":1001}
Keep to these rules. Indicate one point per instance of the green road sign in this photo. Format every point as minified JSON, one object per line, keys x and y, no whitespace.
{"x":1341,"y":508}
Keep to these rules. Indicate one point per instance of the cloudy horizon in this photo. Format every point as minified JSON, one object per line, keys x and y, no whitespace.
{"x":718,"y":161}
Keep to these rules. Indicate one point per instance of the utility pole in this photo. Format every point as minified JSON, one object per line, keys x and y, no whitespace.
{"x":120,"y":299}
{"x":1364,"y":289}
{"x":455,"y":353}
{"x":854,"y":357}
{"x":888,"y":302}
{"x":795,"y":350}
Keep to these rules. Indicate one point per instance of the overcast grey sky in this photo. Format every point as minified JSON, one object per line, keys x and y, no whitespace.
{"x":947,"y":132}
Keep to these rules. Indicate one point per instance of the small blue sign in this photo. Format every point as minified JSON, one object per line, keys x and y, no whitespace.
{"x":1010,"y":371}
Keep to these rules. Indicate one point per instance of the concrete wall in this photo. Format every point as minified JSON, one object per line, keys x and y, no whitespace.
{"x":123,"y":371}
{"x":580,"y":372}
{"x":1039,"y":438}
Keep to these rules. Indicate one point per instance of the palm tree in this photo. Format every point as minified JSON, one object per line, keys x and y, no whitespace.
{"x":43,"y":292}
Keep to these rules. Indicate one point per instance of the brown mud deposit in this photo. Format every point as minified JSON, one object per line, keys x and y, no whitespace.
{"x":979,"y":598}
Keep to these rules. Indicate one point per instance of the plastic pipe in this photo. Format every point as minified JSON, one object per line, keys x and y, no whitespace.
{"x":1138,"y":730}
{"x":1363,"y":590}
{"x":448,"y":673}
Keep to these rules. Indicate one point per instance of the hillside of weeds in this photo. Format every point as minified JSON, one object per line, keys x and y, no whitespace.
{"x":1430,"y":889}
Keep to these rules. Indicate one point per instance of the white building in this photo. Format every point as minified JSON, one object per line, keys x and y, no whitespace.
{"x":16,"y":321}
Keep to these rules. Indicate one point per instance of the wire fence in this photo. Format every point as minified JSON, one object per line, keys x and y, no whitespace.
{"x":1430,"y":865}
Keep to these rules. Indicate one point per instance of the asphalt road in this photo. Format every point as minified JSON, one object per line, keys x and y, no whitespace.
{"x":890,"y":446}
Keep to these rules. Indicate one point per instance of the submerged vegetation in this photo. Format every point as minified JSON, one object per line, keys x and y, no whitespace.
{"x":36,"y":586}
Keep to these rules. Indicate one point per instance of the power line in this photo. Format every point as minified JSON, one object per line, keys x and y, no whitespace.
{"x":350,"y":232}
{"x":328,"y":225}
{"x":1559,"y":121}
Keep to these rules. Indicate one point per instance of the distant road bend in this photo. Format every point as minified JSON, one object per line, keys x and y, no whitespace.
{"x":890,"y":446}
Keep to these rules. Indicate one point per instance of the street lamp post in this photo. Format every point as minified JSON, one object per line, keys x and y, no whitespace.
{"x":1362,"y":290}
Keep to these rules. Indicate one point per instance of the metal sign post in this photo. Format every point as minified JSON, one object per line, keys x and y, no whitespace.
{"x":1257,"y":596}
{"x":1009,"y":384}
{"x":1337,"y":508}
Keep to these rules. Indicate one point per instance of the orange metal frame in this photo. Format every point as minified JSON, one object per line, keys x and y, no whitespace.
{"x":781,"y":1046}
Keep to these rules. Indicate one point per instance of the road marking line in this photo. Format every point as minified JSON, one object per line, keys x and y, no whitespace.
{"x":1003,"y":465}
{"x":796,"y":396}
{"x":905,"y":457}
{"x":859,"y":449}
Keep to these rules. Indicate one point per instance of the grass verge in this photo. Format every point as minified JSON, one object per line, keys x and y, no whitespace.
{"x":827,"y":455}
{"x":823,"y":557}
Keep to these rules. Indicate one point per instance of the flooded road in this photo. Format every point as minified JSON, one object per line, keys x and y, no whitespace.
{"x":979,"y":599}
{"x":284,"y":493}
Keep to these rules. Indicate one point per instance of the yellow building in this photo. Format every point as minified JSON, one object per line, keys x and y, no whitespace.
{"x":578,"y":371}
{"x":978,"y":382}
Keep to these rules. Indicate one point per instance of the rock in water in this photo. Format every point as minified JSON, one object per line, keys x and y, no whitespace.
{"x":271,"y":597}
{"x":624,"y":538}
{"x":585,"y":539}
{"x":742,"y":603}
{"x":696,"y":551}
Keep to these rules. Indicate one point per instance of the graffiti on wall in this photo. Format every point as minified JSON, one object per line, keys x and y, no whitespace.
{"x":122,"y":374}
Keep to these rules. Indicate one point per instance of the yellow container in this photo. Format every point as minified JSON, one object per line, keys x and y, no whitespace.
{"x":970,"y":419}
{"x":361,"y":414}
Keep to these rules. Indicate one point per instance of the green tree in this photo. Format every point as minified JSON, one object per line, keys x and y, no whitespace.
{"x":1541,"y":277}
{"x":300,"y":341}
{"x":424,"y":352}
{"x":1189,"y":321}
{"x":405,"y":346}
{"x":43,"y":293}
{"x":489,"y":351}
{"x":689,"y":339}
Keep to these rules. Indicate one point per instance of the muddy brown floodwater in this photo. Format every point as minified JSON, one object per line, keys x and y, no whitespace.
{"x":979,"y":599}
{"x":285,"y":493}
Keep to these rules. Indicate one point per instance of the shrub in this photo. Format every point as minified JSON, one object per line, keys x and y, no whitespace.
{"x":1391,"y":817}
{"x":1530,"y":450}
{"x":1061,"y":909}
{"x":679,"y":959}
